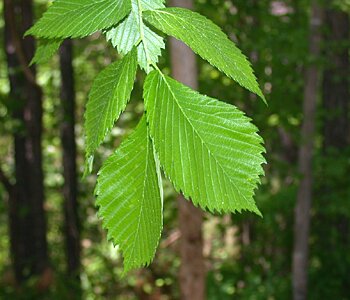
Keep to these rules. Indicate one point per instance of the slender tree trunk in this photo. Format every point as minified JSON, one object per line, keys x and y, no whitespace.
{"x":192,"y":270}
{"x":304,"y":198}
{"x":336,"y":80}
{"x":70,"y":206}
{"x":27,"y":215}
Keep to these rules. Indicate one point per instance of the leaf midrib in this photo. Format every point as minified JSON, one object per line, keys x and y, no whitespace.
{"x":142,"y":198}
{"x":142,"y":31}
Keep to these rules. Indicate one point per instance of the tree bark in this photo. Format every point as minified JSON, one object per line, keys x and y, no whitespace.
{"x":192,"y":270}
{"x":70,"y":204}
{"x":336,"y":91}
{"x":27,"y":215}
{"x":304,"y":197}
{"x":336,"y":100}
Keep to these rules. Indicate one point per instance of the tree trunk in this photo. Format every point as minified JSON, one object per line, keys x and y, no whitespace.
{"x":336,"y":91}
{"x":336,"y":100}
{"x":27,"y":215}
{"x":192,"y":270}
{"x":304,"y":198}
{"x":70,"y":206}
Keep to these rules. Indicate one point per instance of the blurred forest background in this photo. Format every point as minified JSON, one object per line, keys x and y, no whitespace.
{"x":52,"y":245}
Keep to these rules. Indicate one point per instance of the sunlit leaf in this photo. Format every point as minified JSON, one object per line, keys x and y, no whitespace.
{"x":208,"y":149}
{"x":129,"y":196}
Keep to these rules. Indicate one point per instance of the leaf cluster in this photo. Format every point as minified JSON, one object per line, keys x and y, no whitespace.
{"x":209,"y":150}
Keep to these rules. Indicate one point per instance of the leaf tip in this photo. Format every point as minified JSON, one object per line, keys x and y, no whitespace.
{"x":263,"y":98}
{"x":258,"y":212}
{"x":32,"y":62}
{"x":29,"y":32}
{"x":89,"y":162}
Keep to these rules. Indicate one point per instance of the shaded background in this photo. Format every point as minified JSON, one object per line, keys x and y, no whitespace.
{"x":52,"y":245}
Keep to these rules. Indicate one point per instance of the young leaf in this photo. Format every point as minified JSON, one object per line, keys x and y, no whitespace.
{"x":206,"y":39}
{"x":133,"y":31}
{"x":150,"y":49}
{"x":45,"y":50}
{"x":126,"y":35}
{"x":109,"y":95}
{"x":130,"y":200}
{"x":79,"y":18}
{"x":209,"y":149}
{"x":153,"y":4}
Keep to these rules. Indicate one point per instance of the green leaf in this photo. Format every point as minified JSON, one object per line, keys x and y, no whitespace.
{"x":79,"y":18}
{"x":108,"y":97}
{"x":130,"y":198}
{"x":208,"y":149}
{"x":207,"y":40}
{"x":45,"y":50}
{"x":153,"y":4}
{"x":150,"y":49}
{"x":126,"y":35}
{"x":133,"y":31}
